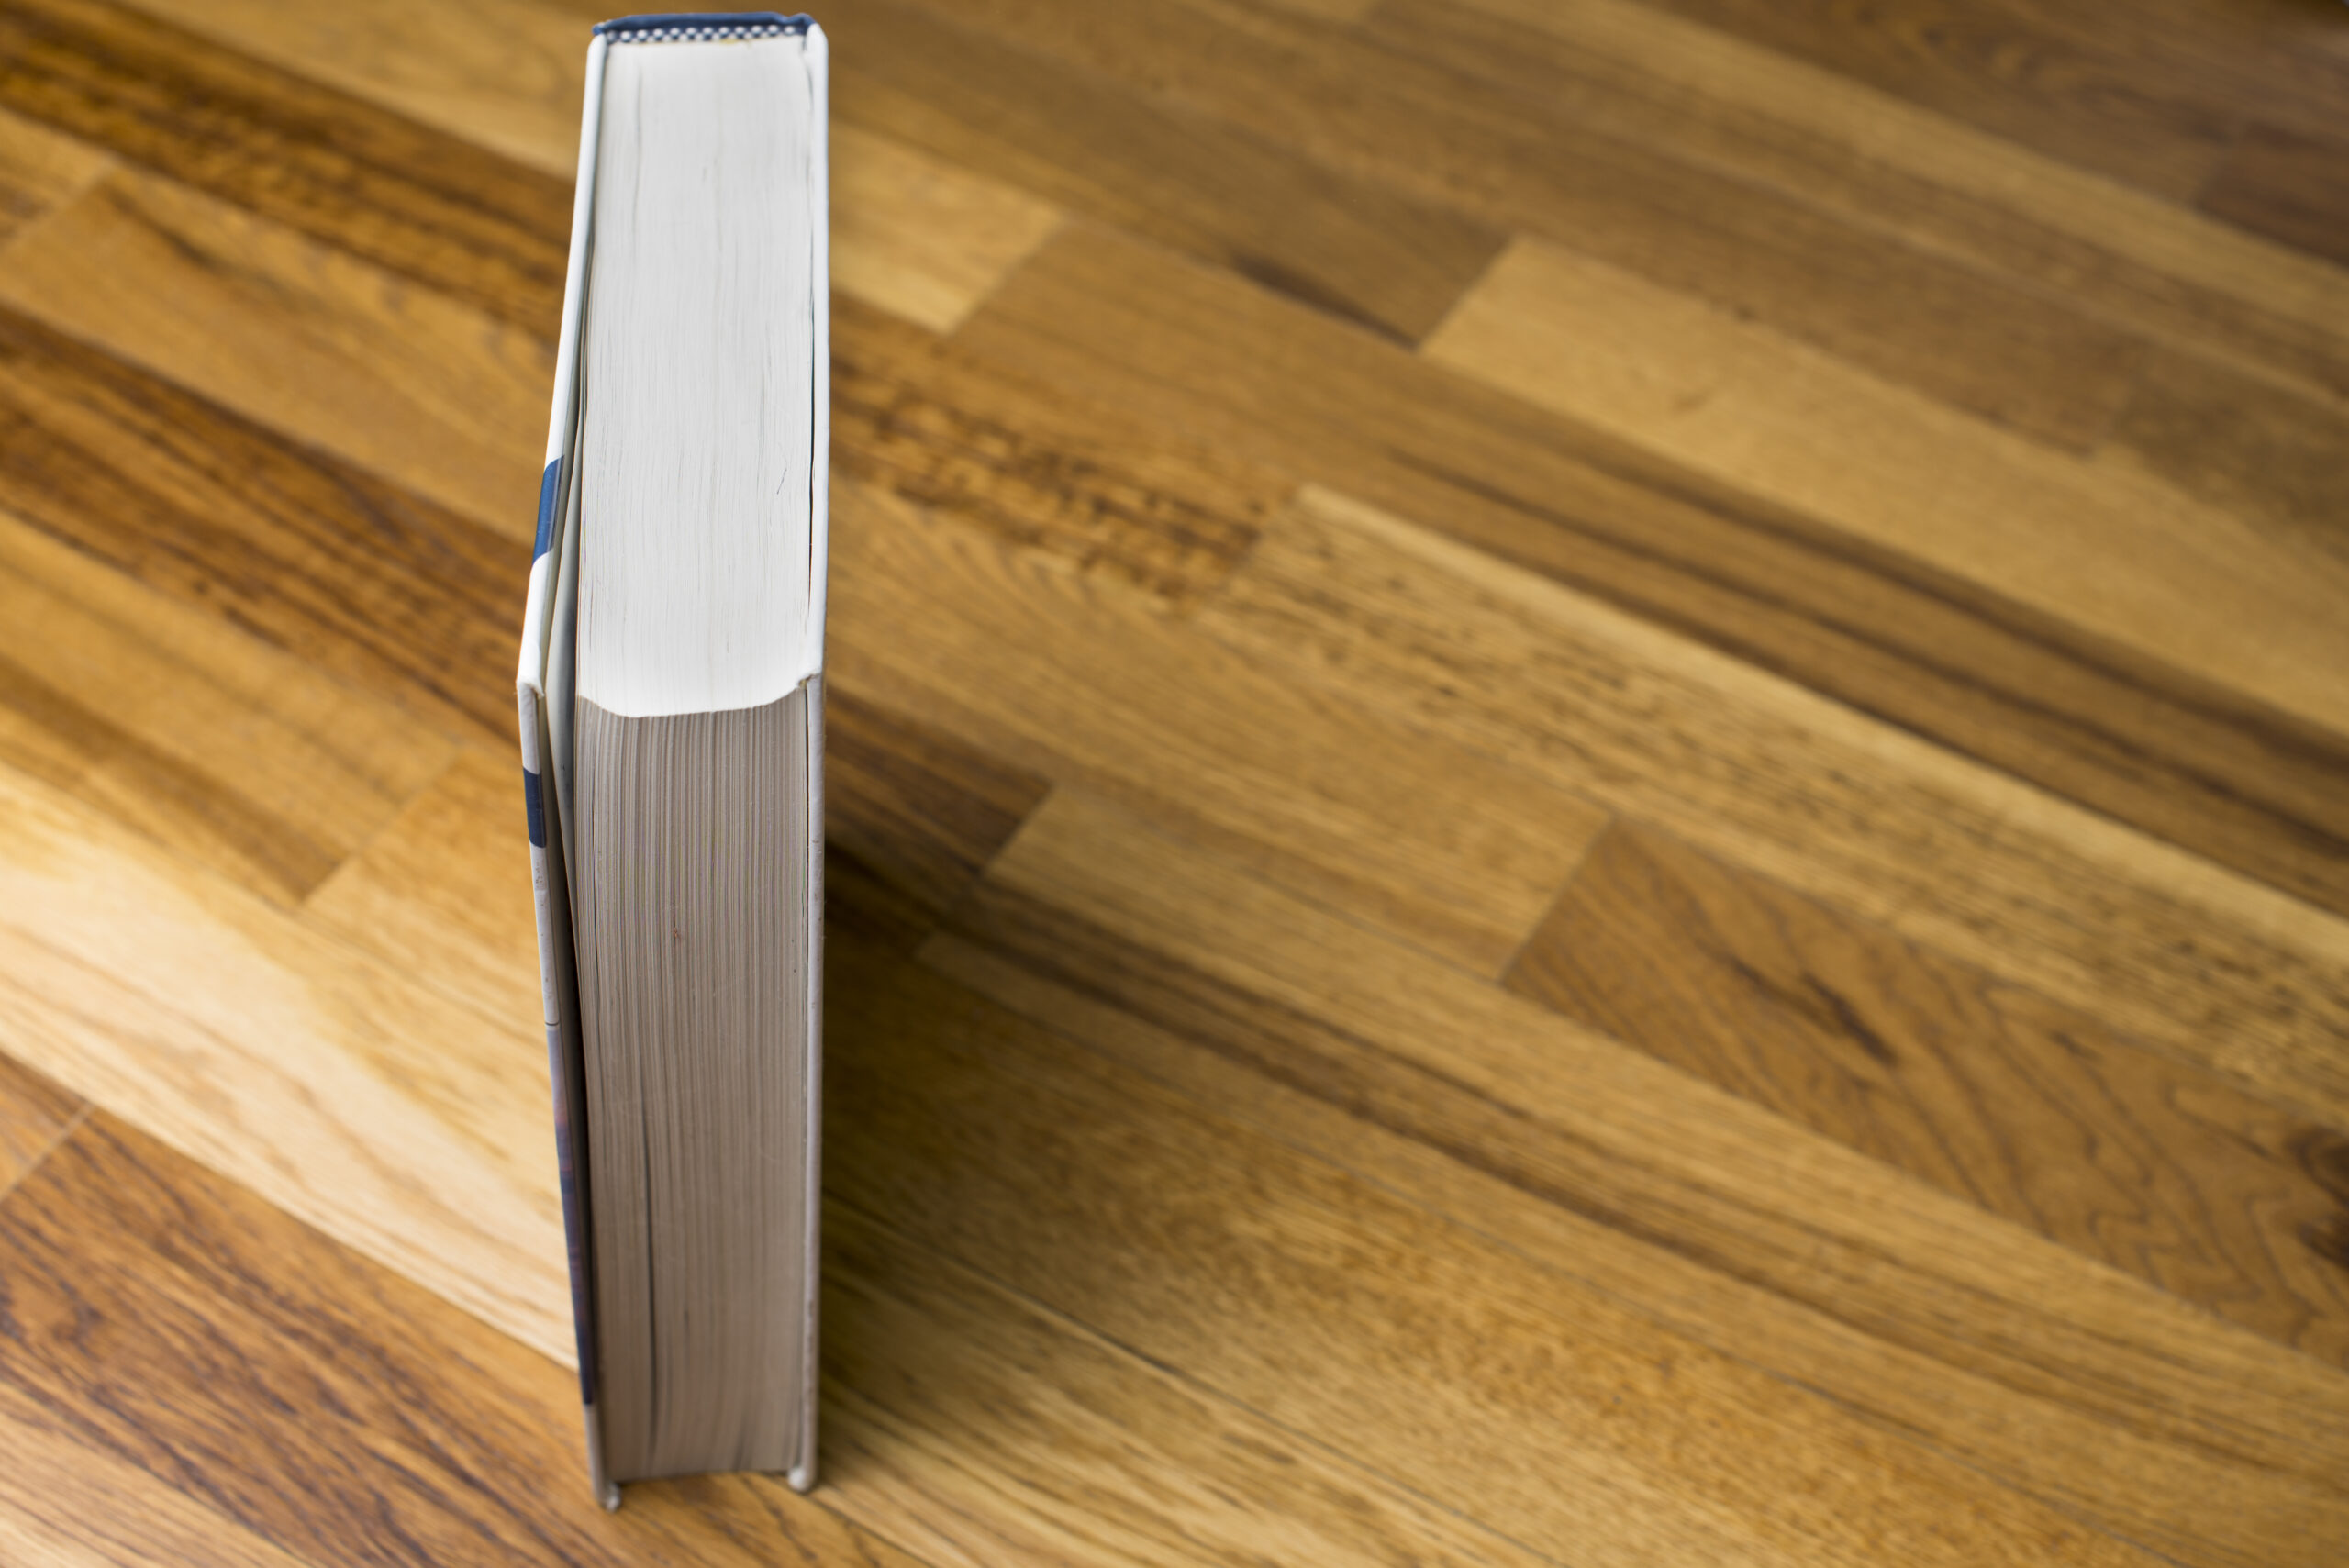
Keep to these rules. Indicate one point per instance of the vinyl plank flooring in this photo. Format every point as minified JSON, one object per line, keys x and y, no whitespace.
{"x":1775,"y":1247}
{"x":298,"y":336}
{"x":1072,"y":679}
{"x":224,"y":1360}
{"x":2215,"y":969}
{"x":910,"y":233}
{"x":2146,"y":741}
{"x":334,"y":1086}
{"x":1514,"y":1394}
{"x":2037,"y":1113}
{"x":2291,"y":188}
{"x":374,"y":586}
{"x":2136,"y":563}
{"x":1346,"y":245}
{"x":1370,"y":103}
{"x":34,"y":1114}
{"x":481,"y":230}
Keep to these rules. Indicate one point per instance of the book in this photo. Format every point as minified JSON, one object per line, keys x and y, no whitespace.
{"x":671,"y":702}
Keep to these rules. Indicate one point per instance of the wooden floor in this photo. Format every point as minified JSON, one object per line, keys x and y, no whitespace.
{"x":1591,"y":785}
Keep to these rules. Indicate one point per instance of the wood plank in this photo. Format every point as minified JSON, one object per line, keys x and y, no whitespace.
{"x":299,"y":336}
{"x":2240,"y":443}
{"x":977,"y":1427}
{"x":394,"y":596}
{"x":911,"y":816}
{"x":1118,"y":497}
{"x":2142,"y":740}
{"x":66,"y":1504}
{"x":478,"y":230}
{"x":2108,"y":102}
{"x":349,"y":1093}
{"x":1346,"y":245}
{"x":910,"y":234}
{"x":1776,"y":1248}
{"x":34,"y":1114}
{"x":2289,"y":187}
{"x":40,"y":169}
{"x":219,"y":1350}
{"x":2137,"y":563}
{"x":2134,"y":262}
{"x":1071,"y":678}
{"x":235,"y":755}
{"x":1371,"y":102}
{"x":2213,"y":969}
{"x":1516,"y":1394}
{"x":2037,"y":1113}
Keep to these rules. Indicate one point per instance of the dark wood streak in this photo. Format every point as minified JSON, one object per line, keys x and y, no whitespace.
{"x":201,"y":816}
{"x":419,"y":202}
{"x":2032,"y":1112}
{"x":910,"y":817}
{"x":1354,"y":248}
{"x":2148,"y":744}
{"x":367,"y":580}
{"x":1816,"y":1263}
{"x":1036,"y":468}
{"x":161,"y":1315}
{"x":2287,"y":187}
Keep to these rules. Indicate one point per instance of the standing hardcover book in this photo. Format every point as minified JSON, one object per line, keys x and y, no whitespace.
{"x":672,"y":714}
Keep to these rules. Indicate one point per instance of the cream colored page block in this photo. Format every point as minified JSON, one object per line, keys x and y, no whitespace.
{"x":2094,"y":544}
{"x":406,"y":1125}
{"x":423,"y":390}
{"x":2220,"y":969}
{"x":41,"y":169}
{"x":278,"y":773}
{"x":910,"y":234}
{"x":1764,"y":113}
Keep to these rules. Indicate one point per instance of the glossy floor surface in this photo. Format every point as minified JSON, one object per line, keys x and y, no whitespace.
{"x":1589,"y":782}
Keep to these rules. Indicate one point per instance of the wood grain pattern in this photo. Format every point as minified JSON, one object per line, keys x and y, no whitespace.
{"x":2289,"y":187}
{"x":1121,"y":497}
{"x":299,"y":336}
{"x":231,"y":1363}
{"x":910,"y":234}
{"x":2034,"y":1112}
{"x":2030,"y":73}
{"x":34,"y":1114}
{"x":951,"y":628}
{"x":1348,"y":246}
{"x":1861,"y":566}
{"x":2212,"y":968}
{"x":1369,"y":102}
{"x":2135,"y":563}
{"x":357,"y":1098}
{"x":481,"y":231}
{"x":2110,"y":253}
{"x":399,"y":597}
{"x":2145,"y":741}
{"x":1593,"y":1160}
{"x":237,"y":756}
{"x":40,"y":169}
{"x":1532,"y":1401}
